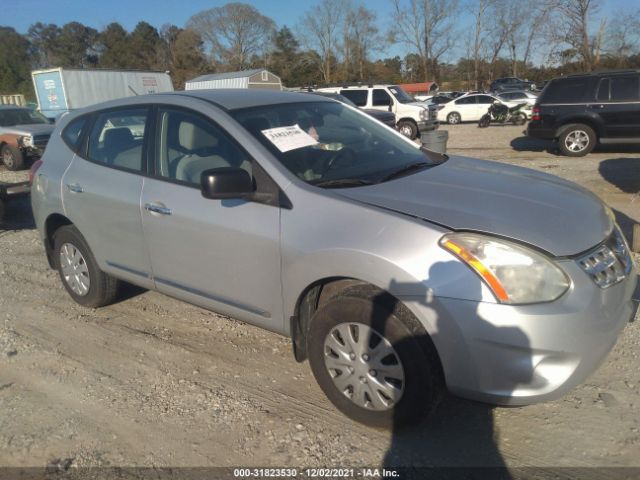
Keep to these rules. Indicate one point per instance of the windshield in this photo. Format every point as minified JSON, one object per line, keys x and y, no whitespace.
{"x":330,"y":144}
{"x":401,"y":95}
{"x":20,"y":116}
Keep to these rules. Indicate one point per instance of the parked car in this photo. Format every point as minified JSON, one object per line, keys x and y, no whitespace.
{"x":580,"y":111}
{"x":24,"y":134}
{"x":519,"y":96}
{"x":396,"y":271}
{"x":472,"y":107}
{"x":510,"y":83}
{"x":440,"y":99}
{"x":388,"y":118}
{"x":413,"y":117}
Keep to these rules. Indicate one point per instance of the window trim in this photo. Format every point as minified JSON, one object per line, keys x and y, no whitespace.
{"x":83,"y":132}
{"x":83,"y":152}
{"x":611,"y":78}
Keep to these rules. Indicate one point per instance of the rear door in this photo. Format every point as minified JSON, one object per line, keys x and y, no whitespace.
{"x":618,"y":104}
{"x":381,"y":100}
{"x":482,"y":107}
{"x":101,"y":192}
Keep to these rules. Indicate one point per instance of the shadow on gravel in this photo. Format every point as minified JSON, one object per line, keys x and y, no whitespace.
{"x":127,"y":291}
{"x":17,"y":215}
{"x":622,"y":172}
{"x":458,"y":437}
{"x":530,"y":144}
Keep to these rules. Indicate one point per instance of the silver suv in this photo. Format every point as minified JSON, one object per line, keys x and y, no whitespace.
{"x":397,"y":272}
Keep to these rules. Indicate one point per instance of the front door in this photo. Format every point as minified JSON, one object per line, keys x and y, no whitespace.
{"x":223,"y":255}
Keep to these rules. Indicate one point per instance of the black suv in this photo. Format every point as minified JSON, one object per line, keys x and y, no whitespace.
{"x":581,"y":110}
{"x":510,"y":83}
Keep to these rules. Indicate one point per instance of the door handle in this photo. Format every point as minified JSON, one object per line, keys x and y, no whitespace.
{"x":74,"y":187}
{"x":155,"y":208}
{"x":596,"y":106}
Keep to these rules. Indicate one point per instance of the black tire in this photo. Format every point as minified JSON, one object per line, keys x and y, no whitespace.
{"x":408,"y":128}
{"x":103,"y":288}
{"x":454,"y":118}
{"x":423,"y":384}
{"x":519,"y":119}
{"x":12,"y":158}
{"x":577,"y":140}
{"x":485,"y":121}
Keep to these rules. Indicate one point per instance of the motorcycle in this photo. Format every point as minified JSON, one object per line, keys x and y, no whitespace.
{"x":500,"y":113}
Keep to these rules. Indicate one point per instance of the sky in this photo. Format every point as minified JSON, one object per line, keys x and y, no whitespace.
{"x":20,"y":14}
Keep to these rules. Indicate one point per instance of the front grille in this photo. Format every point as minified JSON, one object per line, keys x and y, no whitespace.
{"x":40,"y":141}
{"x":610,"y":262}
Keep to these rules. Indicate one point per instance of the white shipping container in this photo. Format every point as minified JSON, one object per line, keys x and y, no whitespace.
{"x":62,"y":89}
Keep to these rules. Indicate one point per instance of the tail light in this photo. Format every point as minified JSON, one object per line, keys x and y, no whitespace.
{"x":535,"y":114}
{"x":34,"y":168}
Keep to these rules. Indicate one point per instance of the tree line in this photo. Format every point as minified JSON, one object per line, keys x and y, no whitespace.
{"x":342,"y":41}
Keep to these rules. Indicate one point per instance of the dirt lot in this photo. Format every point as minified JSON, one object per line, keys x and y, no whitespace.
{"x":152,"y":381}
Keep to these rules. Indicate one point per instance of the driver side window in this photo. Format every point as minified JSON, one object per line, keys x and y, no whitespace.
{"x":188,"y":143}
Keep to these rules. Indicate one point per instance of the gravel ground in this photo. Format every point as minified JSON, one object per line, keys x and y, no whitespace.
{"x":151,"y":381}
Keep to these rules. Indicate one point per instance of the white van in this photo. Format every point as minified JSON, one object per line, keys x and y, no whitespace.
{"x":412,"y":116}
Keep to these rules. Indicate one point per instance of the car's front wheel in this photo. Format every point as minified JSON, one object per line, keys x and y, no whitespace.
{"x":373,"y":361}
{"x":12,"y":158}
{"x":577,"y":140}
{"x":408,"y":129}
{"x":79,"y":271}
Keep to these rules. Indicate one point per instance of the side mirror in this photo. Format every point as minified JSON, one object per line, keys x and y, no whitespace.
{"x":225,"y":183}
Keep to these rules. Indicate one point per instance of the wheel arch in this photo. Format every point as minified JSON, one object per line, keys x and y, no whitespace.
{"x":51,"y":226}
{"x":588,"y":121}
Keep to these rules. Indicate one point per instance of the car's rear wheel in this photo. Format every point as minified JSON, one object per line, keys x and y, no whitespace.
{"x":12,"y":158}
{"x":453,"y":118}
{"x":519,"y":119}
{"x":375,"y":363}
{"x":408,"y":129}
{"x":79,"y":271}
{"x":577,"y":140}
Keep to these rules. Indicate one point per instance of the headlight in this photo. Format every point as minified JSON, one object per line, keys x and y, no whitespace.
{"x":515,"y":274}
{"x":424,"y":114}
{"x":26,"y":141}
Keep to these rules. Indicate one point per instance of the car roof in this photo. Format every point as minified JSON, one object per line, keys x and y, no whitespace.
{"x":227,"y":99}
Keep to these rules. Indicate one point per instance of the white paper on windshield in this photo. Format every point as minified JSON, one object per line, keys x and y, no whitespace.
{"x":289,"y":138}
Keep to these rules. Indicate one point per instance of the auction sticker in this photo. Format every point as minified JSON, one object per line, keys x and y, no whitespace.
{"x":289,"y":138}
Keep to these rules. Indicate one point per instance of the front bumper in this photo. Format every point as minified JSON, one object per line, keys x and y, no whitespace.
{"x":518,"y":355}
{"x":428,"y":125}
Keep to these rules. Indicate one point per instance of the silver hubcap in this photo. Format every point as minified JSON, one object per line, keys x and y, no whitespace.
{"x":576,"y":141}
{"x":406,"y":130}
{"x":454,"y":118}
{"x":364,"y":366}
{"x":74,"y":269}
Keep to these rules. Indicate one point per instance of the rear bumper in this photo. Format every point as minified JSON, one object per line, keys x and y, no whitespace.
{"x":537,"y":130}
{"x":518,"y":355}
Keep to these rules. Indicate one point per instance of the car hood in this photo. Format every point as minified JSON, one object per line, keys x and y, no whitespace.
{"x":30,"y":129}
{"x":542,"y":210}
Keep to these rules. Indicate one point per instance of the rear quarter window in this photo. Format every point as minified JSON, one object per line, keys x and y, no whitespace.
{"x":72,"y":133}
{"x":566,"y":90}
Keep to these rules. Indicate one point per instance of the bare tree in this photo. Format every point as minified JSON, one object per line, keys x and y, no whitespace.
{"x":479,"y":10}
{"x":234,"y":32}
{"x":623,"y":39}
{"x":360,"y":38}
{"x":527,"y":20}
{"x":428,"y":27}
{"x":319,"y":30}
{"x":571,"y":28}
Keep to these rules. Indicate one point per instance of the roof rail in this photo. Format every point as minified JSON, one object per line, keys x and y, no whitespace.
{"x":348,"y":84}
{"x":604,"y":72}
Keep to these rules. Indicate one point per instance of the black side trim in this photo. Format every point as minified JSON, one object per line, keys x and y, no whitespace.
{"x":226,"y":301}
{"x":128,"y":269}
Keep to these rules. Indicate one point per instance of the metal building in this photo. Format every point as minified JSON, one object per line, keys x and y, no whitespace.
{"x":258,"y":78}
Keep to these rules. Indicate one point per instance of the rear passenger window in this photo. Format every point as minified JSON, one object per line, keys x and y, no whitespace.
{"x":73,"y":133}
{"x":116,"y":138}
{"x":466,"y":101}
{"x":625,"y":88}
{"x":566,"y":90}
{"x":189,"y":143}
{"x":359,"y":97}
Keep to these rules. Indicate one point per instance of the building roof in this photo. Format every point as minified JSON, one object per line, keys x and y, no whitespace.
{"x":223,"y":76}
{"x":418,"y":87}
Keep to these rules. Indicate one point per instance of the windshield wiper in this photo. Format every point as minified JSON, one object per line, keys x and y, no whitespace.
{"x":343,"y":183}
{"x":406,"y":170}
